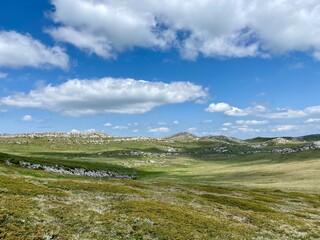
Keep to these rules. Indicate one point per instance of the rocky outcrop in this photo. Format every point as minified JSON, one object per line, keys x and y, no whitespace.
{"x":287,"y":150}
{"x":75,"y":171}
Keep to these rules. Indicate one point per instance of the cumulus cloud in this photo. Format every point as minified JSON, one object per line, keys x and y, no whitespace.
{"x":27,"y":118}
{"x":107,"y":124}
{"x":255,"y":28}
{"x":107,"y":95}
{"x":218,"y":107}
{"x":159,"y":130}
{"x":234,"y":111}
{"x":18,"y":50}
{"x":83,"y":40}
{"x":261,"y":111}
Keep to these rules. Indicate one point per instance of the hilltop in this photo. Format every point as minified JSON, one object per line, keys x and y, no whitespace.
{"x":182,"y":136}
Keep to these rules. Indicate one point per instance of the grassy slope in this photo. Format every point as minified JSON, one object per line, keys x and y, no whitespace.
{"x":186,"y":197}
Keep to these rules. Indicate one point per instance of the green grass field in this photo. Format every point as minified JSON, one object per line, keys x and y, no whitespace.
{"x":197,"y":193}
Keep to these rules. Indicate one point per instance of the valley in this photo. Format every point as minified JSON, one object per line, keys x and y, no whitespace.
{"x":95,"y":186}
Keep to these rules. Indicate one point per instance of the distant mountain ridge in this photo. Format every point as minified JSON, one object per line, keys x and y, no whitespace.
{"x":181,"y":136}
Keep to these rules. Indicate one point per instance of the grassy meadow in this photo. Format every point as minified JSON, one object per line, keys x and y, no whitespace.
{"x":183,"y":188}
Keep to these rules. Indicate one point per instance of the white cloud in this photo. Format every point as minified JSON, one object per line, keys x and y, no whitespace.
{"x":245,"y":128}
{"x":18,"y":50}
{"x":133,"y":124}
{"x":161,"y":123}
{"x":312,"y":110}
{"x":256,"y":28}
{"x":218,"y":107}
{"x":83,"y":40}
{"x":175,"y":122}
{"x":233,"y":111}
{"x":159,"y":130}
{"x":237,"y":112}
{"x":251,"y":122}
{"x":312,"y":120}
{"x":286,"y":113}
{"x":103,"y":27}
{"x":107,"y":95}
{"x":27,"y":118}
{"x":261,"y":111}
{"x":294,"y":113}
{"x":224,"y":129}
{"x":3,"y":75}
{"x":135,"y":130}
{"x":282,"y":128}
{"x":227,"y":124}
{"x":107,"y":124}
{"x":120,"y":127}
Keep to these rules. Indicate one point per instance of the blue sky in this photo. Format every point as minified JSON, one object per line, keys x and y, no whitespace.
{"x":133,"y":68}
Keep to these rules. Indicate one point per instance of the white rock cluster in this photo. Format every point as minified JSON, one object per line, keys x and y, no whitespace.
{"x":259,"y":145}
{"x":315,"y":145}
{"x":75,"y":171}
{"x":283,"y":151}
{"x":138,"y":153}
{"x":301,"y":149}
{"x":8,"y":162}
{"x":56,"y":135}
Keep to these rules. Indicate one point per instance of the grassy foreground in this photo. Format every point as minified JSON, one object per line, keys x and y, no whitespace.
{"x":183,"y":196}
